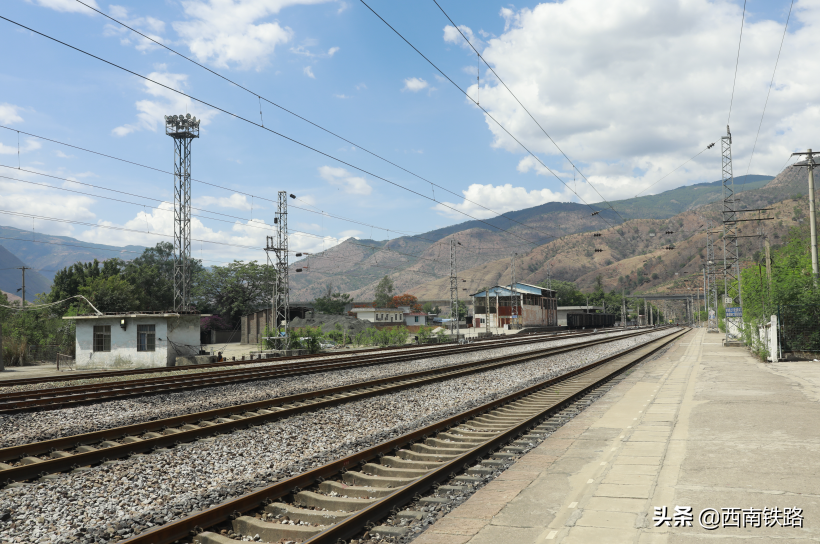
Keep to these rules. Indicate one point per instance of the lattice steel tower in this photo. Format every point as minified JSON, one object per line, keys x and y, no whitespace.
{"x":731,"y":262}
{"x":183,"y":129}
{"x":280,"y":302}
{"x":453,"y":290}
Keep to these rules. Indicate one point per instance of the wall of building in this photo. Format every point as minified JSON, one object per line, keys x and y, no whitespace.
{"x":175,"y":336}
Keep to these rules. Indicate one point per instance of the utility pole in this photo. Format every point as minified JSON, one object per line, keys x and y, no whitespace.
{"x":731,"y":257}
{"x":183,"y":129}
{"x":810,"y":164}
{"x":549,"y":276}
{"x":623,"y":307}
{"x":768,"y":262}
{"x":453,"y":290}
{"x":711,"y":282}
{"x":24,"y":268}
{"x":513,"y":290}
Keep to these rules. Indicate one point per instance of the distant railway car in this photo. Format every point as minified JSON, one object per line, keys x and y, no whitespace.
{"x":590,"y":321}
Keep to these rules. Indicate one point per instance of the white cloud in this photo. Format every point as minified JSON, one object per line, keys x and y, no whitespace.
{"x":68,"y":5}
{"x":623,"y":92}
{"x":361,"y":87}
{"x":235,"y":201}
{"x":151,"y":113}
{"x":29,"y":144}
{"x":342,"y":178}
{"x":63,"y":155}
{"x":342,"y":96}
{"x":235,"y":32}
{"x":350,"y":234}
{"x":499,"y":198}
{"x":9,"y":115}
{"x":415,"y":84}
{"x":308,"y":72}
{"x":149,"y":26}
{"x":452,"y":35}
{"x":38,"y":200}
{"x":332,"y":51}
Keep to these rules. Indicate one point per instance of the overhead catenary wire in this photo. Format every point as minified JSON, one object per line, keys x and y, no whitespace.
{"x":523,"y":107}
{"x":676,"y":169}
{"x":489,"y":115}
{"x":771,"y":84}
{"x":737,"y":63}
{"x":260,"y":98}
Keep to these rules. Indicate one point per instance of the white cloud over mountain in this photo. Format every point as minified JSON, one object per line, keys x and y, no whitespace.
{"x":634,"y":91}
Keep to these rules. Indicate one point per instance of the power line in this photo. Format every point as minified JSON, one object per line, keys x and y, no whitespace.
{"x":737,"y":62}
{"x":260,"y":97}
{"x":523,"y":107}
{"x":676,"y":169}
{"x":478,"y":105}
{"x":85,"y":247}
{"x":771,"y":83}
{"x":297,"y":142}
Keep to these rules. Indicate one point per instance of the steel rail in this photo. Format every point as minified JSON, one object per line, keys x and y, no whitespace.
{"x":115,"y":373}
{"x":418,"y":347}
{"x":228,"y":418}
{"x":196,"y":522}
{"x":62,"y":397}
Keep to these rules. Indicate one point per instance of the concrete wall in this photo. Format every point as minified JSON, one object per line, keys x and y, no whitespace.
{"x":182,"y":331}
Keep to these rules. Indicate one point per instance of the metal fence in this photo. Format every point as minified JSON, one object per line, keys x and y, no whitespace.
{"x":799,"y":328}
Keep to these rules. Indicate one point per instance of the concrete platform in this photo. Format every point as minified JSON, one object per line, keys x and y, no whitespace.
{"x":703,"y":426}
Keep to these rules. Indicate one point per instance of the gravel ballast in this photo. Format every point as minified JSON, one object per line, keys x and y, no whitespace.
{"x":29,"y":427}
{"x":111,"y":502}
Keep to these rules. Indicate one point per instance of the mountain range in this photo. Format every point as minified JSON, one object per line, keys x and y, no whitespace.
{"x":549,"y":240}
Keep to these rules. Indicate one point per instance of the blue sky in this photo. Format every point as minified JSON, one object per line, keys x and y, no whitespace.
{"x":629,"y":90}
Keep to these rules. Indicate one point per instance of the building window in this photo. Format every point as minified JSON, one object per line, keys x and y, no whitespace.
{"x":146,"y":338}
{"x":417,"y":319}
{"x":102,"y":337}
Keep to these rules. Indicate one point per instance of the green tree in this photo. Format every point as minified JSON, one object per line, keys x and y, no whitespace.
{"x":384,"y":293}
{"x":332,"y":304}
{"x":235,"y":290}
{"x":110,"y":294}
{"x":568,"y":294}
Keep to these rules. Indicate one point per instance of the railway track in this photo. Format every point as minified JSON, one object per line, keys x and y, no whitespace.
{"x":363,"y":492}
{"x":38,"y":459}
{"x":67,"y":396}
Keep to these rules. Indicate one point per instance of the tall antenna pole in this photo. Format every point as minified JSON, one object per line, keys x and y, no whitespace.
{"x":731,"y":262}
{"x":183,"y":129}
{"x":281,"y":287}
{"x":453,"y":290}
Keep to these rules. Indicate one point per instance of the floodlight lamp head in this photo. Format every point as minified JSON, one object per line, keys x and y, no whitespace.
{"x":187,"y":115}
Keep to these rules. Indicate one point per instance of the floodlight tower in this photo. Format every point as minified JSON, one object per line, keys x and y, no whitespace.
{"x":183,"y":129}
{"x":731,"y":262}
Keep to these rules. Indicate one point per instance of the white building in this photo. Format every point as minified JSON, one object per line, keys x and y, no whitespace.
{"x":564,"y":310}
{"x":135,"y":340}
{"x":415,"y":318}
{"x":380,"y":316}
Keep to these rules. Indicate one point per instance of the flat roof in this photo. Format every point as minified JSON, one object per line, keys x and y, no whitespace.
{"x":113,"y":315}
